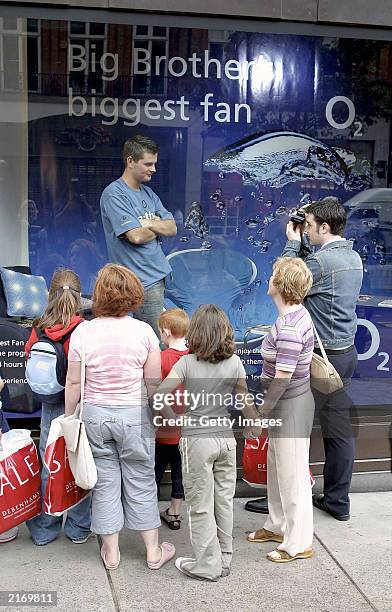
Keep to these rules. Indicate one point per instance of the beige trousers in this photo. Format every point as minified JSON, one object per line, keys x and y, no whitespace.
{"x":209,"y":477}
{"x":288,"y":481}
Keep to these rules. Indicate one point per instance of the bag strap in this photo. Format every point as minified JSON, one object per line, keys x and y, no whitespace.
{"x":82,"y":373}
{"x":321,"y":346}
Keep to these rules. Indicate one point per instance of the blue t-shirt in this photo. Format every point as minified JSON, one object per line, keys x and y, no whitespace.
{"x":121,"y":210}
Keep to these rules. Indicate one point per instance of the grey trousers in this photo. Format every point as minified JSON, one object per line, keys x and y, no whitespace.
{"x":123,"y":445}
{"x":209,"y":477}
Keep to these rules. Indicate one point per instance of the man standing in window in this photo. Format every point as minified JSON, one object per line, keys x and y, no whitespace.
{"x":134,"y":219}
{"x":337,"y":277}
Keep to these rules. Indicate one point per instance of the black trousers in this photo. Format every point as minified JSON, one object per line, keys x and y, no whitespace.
{"x":335,"y":415}
{"x":169,"y":454}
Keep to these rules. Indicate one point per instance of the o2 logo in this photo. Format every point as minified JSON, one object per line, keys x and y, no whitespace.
{"x":374,"y":347}
{"x":350,"y":119}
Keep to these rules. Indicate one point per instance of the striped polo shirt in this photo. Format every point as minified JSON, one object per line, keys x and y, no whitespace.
{"x":289,"y":347}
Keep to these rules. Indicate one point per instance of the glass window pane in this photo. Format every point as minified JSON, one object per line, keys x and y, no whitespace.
{"x":97,"y":29}
{"x":158,"y":31}
{"x":32,"y":63}
{"x":141,"y":44}
{"x":32,"y":25}
{"x":140,"y":84}
{"x":158,"y":47}
{"x":216,"y":51}
{"x":10,"y":23}
{"x":78,"y":27}
{"x":11,"y":62}
{"x":141,"y":30}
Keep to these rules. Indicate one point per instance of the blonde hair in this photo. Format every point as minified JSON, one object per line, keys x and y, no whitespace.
{"x":63,"y":302}
{"x":292,"y":278}
{"x":176,"y":321}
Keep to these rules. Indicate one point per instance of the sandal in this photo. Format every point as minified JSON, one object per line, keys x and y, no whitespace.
{"x":173,"y":521}
{"x":167,"y":552}
{"x":263,"y":535}
{"x":108,"y":566}
{"x":281,"y":556}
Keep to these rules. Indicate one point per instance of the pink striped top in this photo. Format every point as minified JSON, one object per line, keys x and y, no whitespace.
{"x":289,"y":347}
{"x":116,"y":351}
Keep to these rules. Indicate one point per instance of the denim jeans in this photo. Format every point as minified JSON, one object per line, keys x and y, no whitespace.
{"x":45,"y":528}
{"x":152,"y":306}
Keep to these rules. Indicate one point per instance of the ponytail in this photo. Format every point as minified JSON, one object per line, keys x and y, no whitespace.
{"x":64,"y":300}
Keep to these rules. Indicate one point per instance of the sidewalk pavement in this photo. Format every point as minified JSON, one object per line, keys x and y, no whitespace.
{"x":350,"y":571}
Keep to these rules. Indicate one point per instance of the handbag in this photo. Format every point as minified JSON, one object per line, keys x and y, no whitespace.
{"x":20,"y":481}
{"x":323,"y":375}
{"x":254,"y":462}
{"x":80,"y":457}
{"x":61,"y":491}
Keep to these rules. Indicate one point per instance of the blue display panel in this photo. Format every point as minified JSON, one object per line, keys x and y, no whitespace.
{"x":249,"y":125}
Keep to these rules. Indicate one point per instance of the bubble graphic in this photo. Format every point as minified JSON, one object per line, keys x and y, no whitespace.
{"x":269,"y":203}
{"x":281,"y":210}
{"x":221,"y":175}
{"x":220,"y":205}
{"x":206,"y":245}
{"x":184,"y":239}
{"x":237,"y":198}
{"x":251,"y":223}
{"x":306,"y":198}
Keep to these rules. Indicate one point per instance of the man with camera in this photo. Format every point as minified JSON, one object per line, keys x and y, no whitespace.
{"x":337,"y":277}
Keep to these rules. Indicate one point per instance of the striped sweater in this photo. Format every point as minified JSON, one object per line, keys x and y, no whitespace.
{"x":289,"y":347}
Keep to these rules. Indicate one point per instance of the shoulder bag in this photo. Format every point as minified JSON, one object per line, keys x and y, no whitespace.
{"x":80,"y":457}
{"x":323,"y":375}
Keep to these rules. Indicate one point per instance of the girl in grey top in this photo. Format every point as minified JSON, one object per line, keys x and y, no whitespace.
{"x":210,"y":375}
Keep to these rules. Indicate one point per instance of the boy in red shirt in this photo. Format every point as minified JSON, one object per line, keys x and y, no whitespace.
{"x":173,"y":325}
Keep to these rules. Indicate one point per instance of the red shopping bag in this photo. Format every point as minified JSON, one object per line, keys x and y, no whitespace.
{"x":61,"y":492}
{"x":20,"y":481}
{"x":254,"y":462}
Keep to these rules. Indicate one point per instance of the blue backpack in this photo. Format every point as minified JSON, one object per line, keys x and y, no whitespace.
{"x":46,"y":368}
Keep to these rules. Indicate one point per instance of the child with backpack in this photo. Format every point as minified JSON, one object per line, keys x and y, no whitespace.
{"x":11,"y":534}
{"x":210,"y":373}
{"x":173,"y":326}
{"x":47,"y":352}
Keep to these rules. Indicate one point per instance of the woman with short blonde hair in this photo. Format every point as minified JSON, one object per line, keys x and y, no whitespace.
{"x":287,"y":352}
{"x":123,"y":363}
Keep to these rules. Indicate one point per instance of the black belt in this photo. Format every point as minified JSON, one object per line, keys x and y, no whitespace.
{"x":334,"y":351}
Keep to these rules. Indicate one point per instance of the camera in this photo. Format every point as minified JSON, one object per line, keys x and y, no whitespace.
{"x":298,"y":218}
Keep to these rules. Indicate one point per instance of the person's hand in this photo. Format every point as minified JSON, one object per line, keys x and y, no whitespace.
{"x":252,"y":432}
{"x":2,"y":384}
{"x":145,"y":222}
{"x":293,"y":232}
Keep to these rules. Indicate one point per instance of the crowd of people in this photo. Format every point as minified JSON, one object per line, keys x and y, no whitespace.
{"x":146,"y":409}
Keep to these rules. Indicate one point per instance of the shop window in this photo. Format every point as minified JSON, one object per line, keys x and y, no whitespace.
{"x":92,"y":38}
{"x":12,"y":32}
{"x":216,"y":43}
{"x":156,"y":42}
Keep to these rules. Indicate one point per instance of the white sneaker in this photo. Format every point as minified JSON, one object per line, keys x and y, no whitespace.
{"x":9,"y":535}
{"x":83,"y":540}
